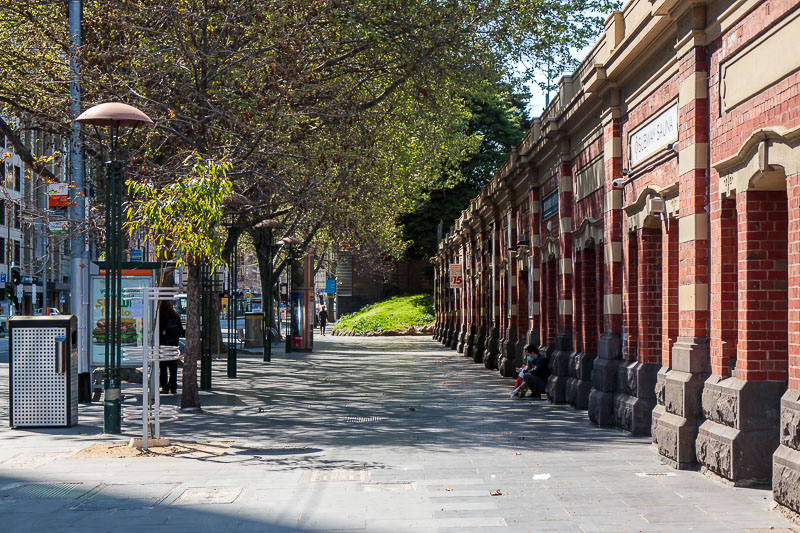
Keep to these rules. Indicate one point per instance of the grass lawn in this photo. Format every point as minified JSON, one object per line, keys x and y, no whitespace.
{"x":395,"y":313}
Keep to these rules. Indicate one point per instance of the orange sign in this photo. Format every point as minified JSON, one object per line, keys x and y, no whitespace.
{"x":58,"y":195}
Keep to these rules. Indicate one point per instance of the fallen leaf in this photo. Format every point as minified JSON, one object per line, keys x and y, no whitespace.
{"x":496,"y":493}
{"x":448,"y":490}
{"x":411,"y":409}
{"x":517,"y":453}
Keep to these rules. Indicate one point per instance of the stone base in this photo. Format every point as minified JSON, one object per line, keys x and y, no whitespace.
{"x":786,"y":460}
{"x":635,"y":397}
{"x":579,"y":384}
{"x":507,"y":356}
{"x":604,"y":380}
{"x":674,"y":437}
{"x":462,"y":338}
{"x":469,"y":343}
{"x":452,"y":340}
{"x":490,"y":353}
{"x":559,"y":374}
{"x":476,"y":352}
{"x":740,"y":433}
{"x":532,"y":337}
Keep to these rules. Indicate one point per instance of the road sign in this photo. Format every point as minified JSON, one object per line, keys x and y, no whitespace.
{"x":330,"y":286}
{"x":456,"y":276}
{"x":136,"y":256}
{"x":62,"y":298}
{"x":2,"y":278}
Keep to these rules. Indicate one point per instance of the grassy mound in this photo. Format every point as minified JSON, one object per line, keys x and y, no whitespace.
{"x":395,"y":313}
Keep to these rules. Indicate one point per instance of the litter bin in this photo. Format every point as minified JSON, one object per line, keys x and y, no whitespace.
{"x":43,"y":371}
{"x":253,"y":330}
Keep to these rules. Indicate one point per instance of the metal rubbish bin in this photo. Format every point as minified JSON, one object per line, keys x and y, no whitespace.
{"x":43,"y":371}
{"x":254,"y":330}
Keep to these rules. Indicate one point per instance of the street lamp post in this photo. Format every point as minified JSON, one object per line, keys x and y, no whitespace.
{"x":266,"y":329}
{"x":115,"y":116}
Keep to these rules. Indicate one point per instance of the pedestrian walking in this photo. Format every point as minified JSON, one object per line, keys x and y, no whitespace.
{"x":323,"y":319}
{"x":170,"y":331}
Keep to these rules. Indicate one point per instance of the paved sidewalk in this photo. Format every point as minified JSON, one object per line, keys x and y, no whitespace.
{"x":375,"y":434}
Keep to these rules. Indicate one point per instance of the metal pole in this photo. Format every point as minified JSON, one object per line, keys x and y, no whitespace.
{"x":232,"y":274}
{"x":79,"y":274}
{"x":207,"y":314}
{"x":290,"y":302}
{"x":267,"y":298}
{"x":112,"y":406}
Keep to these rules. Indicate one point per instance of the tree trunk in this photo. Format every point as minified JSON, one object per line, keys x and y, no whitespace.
{"x":265,"y":263}
{"x":217,"y":346}
{"x":190,"y":396}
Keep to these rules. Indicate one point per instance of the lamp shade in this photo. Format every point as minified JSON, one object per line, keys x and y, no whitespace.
{"x":114,"y":113}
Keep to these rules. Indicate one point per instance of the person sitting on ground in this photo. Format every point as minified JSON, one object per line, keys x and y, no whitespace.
{"x":535,"y":370}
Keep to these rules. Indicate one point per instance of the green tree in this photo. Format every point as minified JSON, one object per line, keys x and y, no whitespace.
{"x":182,"y":219}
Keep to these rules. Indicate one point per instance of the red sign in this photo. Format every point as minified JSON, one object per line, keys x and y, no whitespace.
{"x":57,"y":195}
{"x":456,"y":276}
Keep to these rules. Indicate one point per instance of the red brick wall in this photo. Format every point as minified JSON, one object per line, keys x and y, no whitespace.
{"x":669,"y":283}
{"x":630,"y":295}
{"x":724,"y":285}
{"x":588,"y":306}
{"x":549,"y":302}
{"x":649,"y":308}
{"x":577,"y":298}
{"x":763,"y":282}
{"x":793,"y":189}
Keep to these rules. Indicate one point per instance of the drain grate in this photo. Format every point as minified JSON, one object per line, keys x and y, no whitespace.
{"x":362,"y":419}
{"x":47,"y":491}
{"x":113,"y":497}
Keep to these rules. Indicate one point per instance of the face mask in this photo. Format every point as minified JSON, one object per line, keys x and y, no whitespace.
{"x":530,"y":358}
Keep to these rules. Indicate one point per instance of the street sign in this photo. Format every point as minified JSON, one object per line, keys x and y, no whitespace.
{"x":136,"y":256}
{"x":2,"y":278}
{"x":330,"y":287}
{"x":26,"y":280}
{"x":58,"y":227}
{"x":58,"y":195}
{"x":456,"y":276}
{"x":62,"y":298}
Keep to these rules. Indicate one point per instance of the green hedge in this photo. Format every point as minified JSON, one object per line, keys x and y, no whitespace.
{"x":395,"y":313}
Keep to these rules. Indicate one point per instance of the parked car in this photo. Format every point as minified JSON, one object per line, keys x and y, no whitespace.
{"x":53,"y":311}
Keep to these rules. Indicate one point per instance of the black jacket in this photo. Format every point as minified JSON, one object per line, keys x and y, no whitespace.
{"x":539,"y":367}
{"x":323,"y":316}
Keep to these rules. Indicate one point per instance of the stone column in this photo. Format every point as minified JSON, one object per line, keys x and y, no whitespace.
{"x":534,"y":274}
{"x":472,"y":300}
{"x":676,"y":429}
{"x":743,"y":412}
{"x":464,"y":293}
{"x":786,"y":460}
{"x":635,"y":397}
{"x":476,"y":352}
{"x":505,"y":363}
{"x":669,"y":313}
{"x":490,"y":352}
{"x":609,"y":350}
{"x":559,"y":366}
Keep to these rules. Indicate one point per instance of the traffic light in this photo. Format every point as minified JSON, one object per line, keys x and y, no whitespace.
{"x":15,"y":276}
{"x":9,"y":291}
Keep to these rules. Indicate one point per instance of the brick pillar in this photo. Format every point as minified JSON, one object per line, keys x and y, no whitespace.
{"x":464,"y":294}
{"x":669,"y":311}
{"x":676,"y":429}
{"x":508,"y":356}
{"x":564,"y":353}
{"x":534,"y":279}
{"x":437,"y":281}
{"x":743,"y":412}
{"x":635,"y":397}
{"x":609,"y":350}
{"x":523,"y":279}
{"x":471,"y":281}
{"x":490,"y":352}
{"x":476,"y":352}
{"x":585,"y":325}
{"x":786,"y":460}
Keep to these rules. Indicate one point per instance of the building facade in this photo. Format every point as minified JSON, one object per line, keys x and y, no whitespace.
{"x":645,"y":235}
{"x":32,"y":240}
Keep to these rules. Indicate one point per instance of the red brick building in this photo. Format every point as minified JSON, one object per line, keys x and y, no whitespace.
{"x":646,"y":234}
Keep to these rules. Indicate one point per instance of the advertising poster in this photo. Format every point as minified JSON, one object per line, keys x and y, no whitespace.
{"x":131,"y":333}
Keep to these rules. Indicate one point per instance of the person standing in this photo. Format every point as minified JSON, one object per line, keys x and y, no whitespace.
{"x":323,"y":319}
{"x":170,"y":331}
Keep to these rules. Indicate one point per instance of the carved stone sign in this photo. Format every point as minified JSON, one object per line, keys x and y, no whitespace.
{"x":657,"y":134}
